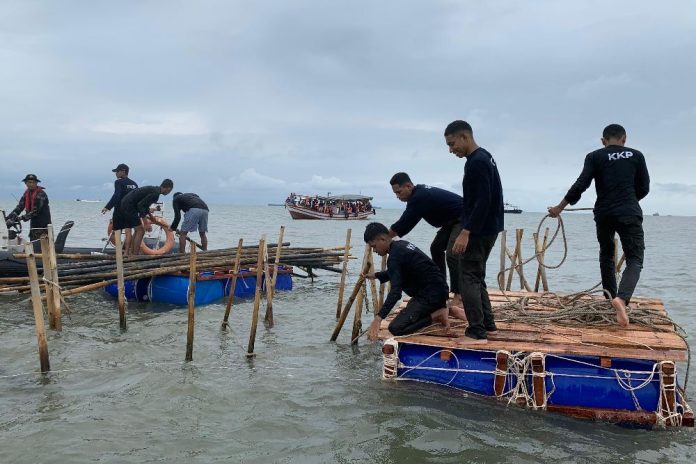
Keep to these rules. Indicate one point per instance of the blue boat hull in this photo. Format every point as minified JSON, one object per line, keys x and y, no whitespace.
{"x":173,"y":289}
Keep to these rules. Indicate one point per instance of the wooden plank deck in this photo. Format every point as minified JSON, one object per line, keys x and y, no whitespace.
{"x":634,"y":341}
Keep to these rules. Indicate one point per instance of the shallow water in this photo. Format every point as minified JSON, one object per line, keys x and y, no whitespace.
{"x":124,"y":397}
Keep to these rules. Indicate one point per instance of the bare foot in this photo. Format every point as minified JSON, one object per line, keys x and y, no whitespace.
{"x":620,"y":306}
{"x":441,"y":316}
{"x":457,"y":312}
{"x":471,"y":341}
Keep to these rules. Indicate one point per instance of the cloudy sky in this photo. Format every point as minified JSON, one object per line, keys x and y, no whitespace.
{"x":245,"y":101}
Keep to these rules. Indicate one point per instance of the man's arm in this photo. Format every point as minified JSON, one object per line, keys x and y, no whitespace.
{"x":408,"y":220}
{"x":642,"y":180}
{"x":576,"y":190}
{"x":39,"y":203}
{"x":115,"y":198}
{"x":20,"y":206}
{"x":143,"y":206}
{"x":394,"y":270}
{"x":177,"y":214}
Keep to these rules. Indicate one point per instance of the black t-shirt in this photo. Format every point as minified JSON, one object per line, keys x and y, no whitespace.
{"x":437,"y":206}
{"x":621,"y":180}
{"x":412,"y":271}
{"x":139,"y":200}
{"x":185,"y":202}
{"x":482,"y":195}
{"x":122,"y":187}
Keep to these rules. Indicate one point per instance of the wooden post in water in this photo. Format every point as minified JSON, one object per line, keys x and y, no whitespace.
{"x":37,"y":307}
{"x":191,"y":303}
{"x":503,"y":250}
{"x":257,"y":295}
{"x":357,"y":320}
{"x":544,"y":282}
{"x":48,"y":285}
{"x":513,"y":261}
{"x":53,"y":265}
{"x":616,"y":255}
{"x":233,"y":285}
{"x":121,"y":283}
{"x":344,"y":271}
{"x":349,"y":304}
{"x":382,"y":285}
{"x":373,"y":284}
{"x":270,"y":291}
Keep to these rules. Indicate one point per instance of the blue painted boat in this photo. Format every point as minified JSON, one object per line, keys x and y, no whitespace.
{"x":210,"y":287}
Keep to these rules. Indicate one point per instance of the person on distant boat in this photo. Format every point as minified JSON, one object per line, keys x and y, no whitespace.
{"x":413,"y":272}
{"x":122,"y":186}
{"x":481,"y":220}
{"x":34,"y":203}
{"x":439,"y":208}
{"x":195,"y":218}
{"x":136,"y":205}
{"x":621,"y":179}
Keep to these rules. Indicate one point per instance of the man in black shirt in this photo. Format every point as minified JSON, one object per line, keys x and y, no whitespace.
{"x":136,"y":205}
{"x":195,"y":217}
{"x":481,"y":221}
{"x":122,"y":186}
{"x":440,"y":208}
{"x":409,"y":270}
{"x":34,"y":203}
{"x":621,"y":180}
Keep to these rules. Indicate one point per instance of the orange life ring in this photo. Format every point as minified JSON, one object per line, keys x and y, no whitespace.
{"x":168,"y":242}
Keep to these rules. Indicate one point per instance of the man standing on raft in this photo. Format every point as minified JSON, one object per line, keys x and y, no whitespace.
{"x":621,"y":180}
{"x":410,"y":270}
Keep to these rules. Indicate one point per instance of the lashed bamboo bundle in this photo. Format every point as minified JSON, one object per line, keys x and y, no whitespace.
{"x":80,"y":273}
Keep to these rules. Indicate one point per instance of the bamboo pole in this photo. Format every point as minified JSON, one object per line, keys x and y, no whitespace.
{"x":233,"y":285}
{"x":191,"y":304}
{"x":38,"y":308}
{"x":620,"y":263}
{"x":47,"y":278}
{"x":349,"y":304}
{"x":519,"y":259}
{"x":270,"y":291}
{"x":383,"y":267}
{"x":362,"y":294}
{"x":503,"y":248}
{"x":53,"y":265}
{"x":120,"y":282}
{"x":344,"y":270}
{"x":257,"y":295}
{"x":544,"y":282}
{"x":616,"y":255}
{"x":373,"y":284}
{"x":513,"y":261}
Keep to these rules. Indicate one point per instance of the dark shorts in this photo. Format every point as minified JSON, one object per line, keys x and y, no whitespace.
{"x":125,"y":219}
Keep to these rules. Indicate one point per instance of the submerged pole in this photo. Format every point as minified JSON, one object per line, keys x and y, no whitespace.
{"x":53,"y":264}
{"x":233,"y":285}
{"x":349,"y":304}
{"x":344,"y":271}
{"x":191,"y":304}
{"x":121,"y":283}
{"x":37,"y":307}
{"x":257,"y":295}
{"x":47,"y":278}
{"x":270,"y":290}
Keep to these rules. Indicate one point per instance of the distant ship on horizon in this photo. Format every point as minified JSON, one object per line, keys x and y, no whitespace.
{"x":511,"y":209}
{"x":87,"y":201}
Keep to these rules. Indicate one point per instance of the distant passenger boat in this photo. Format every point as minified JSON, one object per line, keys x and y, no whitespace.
{"x":508,"y":208}
{"x":87,"y":201}
{"x":337,"y":207}
{"x":656,"y":214}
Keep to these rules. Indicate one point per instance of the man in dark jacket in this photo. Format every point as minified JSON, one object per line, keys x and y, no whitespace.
{"x":481,"y":221}
{"x":34,"y":203}
{"x":195,"y":217}
{"x":122,"y":186}
{"x":439,"y":208}
{"x":621,"y":179}
{"x":136,"y":205}
{"x":412,"y":271}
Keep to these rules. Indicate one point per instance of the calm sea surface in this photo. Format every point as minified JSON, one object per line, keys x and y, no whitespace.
{"x":129,"y":397}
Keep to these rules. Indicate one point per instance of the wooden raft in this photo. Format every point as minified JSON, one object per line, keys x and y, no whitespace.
{"x":633,"y":342}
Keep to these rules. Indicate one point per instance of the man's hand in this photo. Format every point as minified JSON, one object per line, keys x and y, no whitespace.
{"x":373,"y":331}
{"x":369,"y":275}
{"x":104,"y":210}
{"x":461,"y":242}
{"x":555,"y":211}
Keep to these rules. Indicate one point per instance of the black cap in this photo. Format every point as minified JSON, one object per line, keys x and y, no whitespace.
{"x":30,"y":177}
{"x":121,"y":167}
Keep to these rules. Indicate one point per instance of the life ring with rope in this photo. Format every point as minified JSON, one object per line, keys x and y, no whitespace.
{"x":147,"y":224}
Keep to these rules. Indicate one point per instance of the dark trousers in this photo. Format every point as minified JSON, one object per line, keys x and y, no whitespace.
{"x":35,"y":235}
{"x":472,"y":285}
{"x":416,"y":314}
{"x":441,"y":252}
{"x":630,"y":230}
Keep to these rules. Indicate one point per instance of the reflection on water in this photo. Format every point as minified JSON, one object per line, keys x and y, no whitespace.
{"x":128,"y":396}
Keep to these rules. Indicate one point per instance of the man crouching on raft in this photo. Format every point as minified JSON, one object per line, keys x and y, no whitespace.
{"x":412,"y":271}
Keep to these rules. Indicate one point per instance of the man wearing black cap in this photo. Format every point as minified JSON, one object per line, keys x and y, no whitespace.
{"x":122,"y":186}
{"x":136,"y":205}
{"x":195,"y":217}
{"x":34,"y":203}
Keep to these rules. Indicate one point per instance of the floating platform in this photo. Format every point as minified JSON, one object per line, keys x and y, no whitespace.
{"x":620,"y":375}
{"x":210,"y":287}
